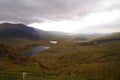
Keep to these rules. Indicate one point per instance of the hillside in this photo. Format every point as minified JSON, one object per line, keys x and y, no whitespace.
{"x":17,"y":30}
{"x":66,"y":60}
{"x":108,"y":37}
{"x":93,"y":40}
{"x":8,"y":30}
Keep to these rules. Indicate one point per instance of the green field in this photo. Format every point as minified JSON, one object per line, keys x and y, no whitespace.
{"x":63,"y":61}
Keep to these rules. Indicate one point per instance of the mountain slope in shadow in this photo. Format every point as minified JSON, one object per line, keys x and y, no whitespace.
{"x":19,"y":30}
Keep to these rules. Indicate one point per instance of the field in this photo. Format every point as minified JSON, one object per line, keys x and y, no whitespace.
{"x":63,"y":61}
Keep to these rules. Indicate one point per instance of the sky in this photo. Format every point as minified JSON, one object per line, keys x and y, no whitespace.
{"x":72,"y":16}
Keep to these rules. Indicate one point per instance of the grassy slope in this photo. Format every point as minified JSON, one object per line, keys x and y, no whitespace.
{"x":66,"y":61}
{"x":87,"y":62}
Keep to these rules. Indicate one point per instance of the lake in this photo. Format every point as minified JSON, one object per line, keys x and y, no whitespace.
{"x":36,"y":50}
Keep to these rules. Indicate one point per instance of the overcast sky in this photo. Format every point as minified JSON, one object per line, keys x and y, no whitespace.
{"x":76,"y":16}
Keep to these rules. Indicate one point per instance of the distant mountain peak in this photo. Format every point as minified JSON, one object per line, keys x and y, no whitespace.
{"x":22,"y":31}
{"x":17,"y":30}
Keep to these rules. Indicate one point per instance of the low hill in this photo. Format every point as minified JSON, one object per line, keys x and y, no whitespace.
{"x":102,"y":39}
{"x":109,"y":37}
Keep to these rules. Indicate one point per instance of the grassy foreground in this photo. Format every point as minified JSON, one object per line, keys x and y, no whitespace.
{"x":66,"y":61}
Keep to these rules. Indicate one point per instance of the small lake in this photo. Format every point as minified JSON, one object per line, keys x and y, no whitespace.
{"x":36,"y":50}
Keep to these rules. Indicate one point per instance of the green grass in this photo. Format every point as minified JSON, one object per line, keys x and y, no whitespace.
{"x":65,"y":61}
{"x":84,"y":60}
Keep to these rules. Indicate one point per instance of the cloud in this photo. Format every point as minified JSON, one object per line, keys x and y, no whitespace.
{"x":99,"y":21}
{"x":42,"y":11}
{"x":30,"y":11}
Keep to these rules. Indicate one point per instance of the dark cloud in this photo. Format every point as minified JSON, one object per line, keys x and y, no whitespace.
{"x":28,"y":11}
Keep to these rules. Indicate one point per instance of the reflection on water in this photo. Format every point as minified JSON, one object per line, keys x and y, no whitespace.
{"x":36,"y":50}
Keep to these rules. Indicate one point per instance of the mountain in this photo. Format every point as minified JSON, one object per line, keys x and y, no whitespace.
{"x":19,"y":30}
{"x":8,"y":30}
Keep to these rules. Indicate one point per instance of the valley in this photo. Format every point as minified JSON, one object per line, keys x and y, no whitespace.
{"x":73,"y":57}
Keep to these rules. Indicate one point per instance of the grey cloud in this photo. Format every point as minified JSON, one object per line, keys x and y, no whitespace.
{"x":33,"y":11}
{"x":29,"y":11}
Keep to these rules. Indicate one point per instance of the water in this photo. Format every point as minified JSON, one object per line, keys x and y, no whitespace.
{"x":36,"y":50}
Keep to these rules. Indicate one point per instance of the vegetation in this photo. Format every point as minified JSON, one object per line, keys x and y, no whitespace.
{"x":64,"y":60}
{"x":72,"y":58}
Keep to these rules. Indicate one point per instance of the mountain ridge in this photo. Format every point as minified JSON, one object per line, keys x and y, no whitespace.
{"x":18,"y":30}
